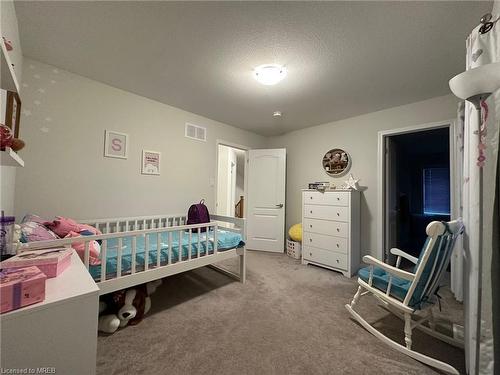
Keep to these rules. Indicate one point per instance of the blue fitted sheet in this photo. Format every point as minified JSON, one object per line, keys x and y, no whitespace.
{"x":225,"y":240}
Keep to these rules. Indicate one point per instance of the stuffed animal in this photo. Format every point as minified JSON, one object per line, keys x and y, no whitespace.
{"x":6,"y":137}
{"x":125,"y":307}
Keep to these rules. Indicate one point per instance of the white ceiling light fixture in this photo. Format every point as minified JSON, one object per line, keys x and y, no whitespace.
{"x":269,"y":74}
{"x":277,"y":114}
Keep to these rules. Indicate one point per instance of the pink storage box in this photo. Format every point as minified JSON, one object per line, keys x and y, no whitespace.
{"x":21,"y":287}
{"x":51,"y":261}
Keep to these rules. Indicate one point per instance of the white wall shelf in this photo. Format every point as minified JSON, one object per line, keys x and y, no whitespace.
{"x":9,"y":158}
{"x":9,"y":80}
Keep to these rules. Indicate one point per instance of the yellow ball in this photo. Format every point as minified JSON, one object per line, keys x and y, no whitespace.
{"x":295,"y":232}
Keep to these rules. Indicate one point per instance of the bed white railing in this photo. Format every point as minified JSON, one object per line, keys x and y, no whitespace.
{"x":125,"y":224}
{"x":156,"y":227}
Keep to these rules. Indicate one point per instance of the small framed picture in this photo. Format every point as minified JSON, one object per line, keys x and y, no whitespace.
{"x":115,"y":144}
{"x":13,"y":112}
{"x":150,"y":162}
{"x":336,"y":162}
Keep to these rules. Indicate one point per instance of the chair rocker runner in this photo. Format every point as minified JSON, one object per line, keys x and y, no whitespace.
{"x":411,"y":295}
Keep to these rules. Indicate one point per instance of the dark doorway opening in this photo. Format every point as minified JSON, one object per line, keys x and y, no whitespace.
{"x":419,"y":186}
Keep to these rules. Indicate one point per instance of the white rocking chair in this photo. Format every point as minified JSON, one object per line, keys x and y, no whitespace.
{"x":411,"y":294}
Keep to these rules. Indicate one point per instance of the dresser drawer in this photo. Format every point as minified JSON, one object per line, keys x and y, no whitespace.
{"x":336,"y":213}
{"x":326,"y":242}
{"x":330,"y":198}
{"x":331,"y":228}
{"x":328,"y":258}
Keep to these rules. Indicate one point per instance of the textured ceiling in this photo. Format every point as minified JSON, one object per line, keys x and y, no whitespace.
{"x":343,"y":58}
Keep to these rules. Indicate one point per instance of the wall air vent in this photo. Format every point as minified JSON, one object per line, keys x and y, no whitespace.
{"x":196,"y":132}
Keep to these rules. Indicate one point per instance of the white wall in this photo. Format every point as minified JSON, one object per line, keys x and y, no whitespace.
{"x":66,"y":173}
{"x":231,"y":182}
{"x":7,"y":186}
{"x":240,"y":176}
{"x":359,"y":137}
{"x":223,"y":180}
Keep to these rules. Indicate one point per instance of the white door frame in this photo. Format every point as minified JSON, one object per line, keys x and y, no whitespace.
{"x":451,"y":125}
{"x":221,"y":142}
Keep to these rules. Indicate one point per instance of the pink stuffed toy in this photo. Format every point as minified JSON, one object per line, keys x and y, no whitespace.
{"x":64,"y":225}
{"x":6,"y":137}
{"x":94,"y":249}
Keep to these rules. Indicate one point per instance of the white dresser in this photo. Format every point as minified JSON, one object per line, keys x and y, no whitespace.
{"x":331,"y":229}
{"x":58,"y":335}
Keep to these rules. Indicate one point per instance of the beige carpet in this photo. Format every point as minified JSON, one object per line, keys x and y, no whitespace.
{"x":287,"y":319}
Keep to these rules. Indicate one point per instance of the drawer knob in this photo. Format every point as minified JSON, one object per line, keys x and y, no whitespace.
{"x":338,"y":230}
{"x":338,"y":213}
{"x":337,"y":260}
{"x":338,"y":198}
{"x":311,"y":211}
{"x":310,"y":225}
{"x":311,"y":254}
{"x":310,"y":240}
{"x":337,"y":245}
{"x":311,"y":197}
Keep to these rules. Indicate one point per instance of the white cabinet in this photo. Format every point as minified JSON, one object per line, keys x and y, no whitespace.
{"x":331,"y":230}
{"x":59,"y":333}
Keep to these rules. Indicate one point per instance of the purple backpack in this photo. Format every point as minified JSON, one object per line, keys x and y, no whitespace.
{"x":198,"y":214}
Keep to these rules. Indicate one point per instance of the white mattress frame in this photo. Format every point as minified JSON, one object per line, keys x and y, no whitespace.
{"x":120,"y":228}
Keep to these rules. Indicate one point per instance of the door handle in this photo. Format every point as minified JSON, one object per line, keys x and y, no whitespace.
{"x":279,"y":205}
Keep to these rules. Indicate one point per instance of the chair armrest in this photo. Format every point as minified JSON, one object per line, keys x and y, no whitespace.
{"x":401,"y":253}
{"x":390,"y":269}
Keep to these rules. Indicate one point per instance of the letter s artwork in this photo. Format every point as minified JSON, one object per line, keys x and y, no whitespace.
{"x":115,"y":145}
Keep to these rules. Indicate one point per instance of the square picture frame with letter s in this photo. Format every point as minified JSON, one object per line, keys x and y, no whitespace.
{"x":115,"y":144}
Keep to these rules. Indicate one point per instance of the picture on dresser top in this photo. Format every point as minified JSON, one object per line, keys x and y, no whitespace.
{"x":336,"y":162}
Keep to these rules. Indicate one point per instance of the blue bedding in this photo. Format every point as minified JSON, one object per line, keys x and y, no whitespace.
{"x":225,"y":240}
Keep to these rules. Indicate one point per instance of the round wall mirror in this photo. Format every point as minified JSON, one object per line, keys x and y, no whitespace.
{"x":336,"y":162}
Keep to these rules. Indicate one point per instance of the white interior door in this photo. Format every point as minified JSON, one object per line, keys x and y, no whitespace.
{"x":266,"y":200}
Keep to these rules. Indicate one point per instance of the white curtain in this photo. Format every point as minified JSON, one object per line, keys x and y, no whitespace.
{"x":481,"y":49}
{"x":457,"y":259}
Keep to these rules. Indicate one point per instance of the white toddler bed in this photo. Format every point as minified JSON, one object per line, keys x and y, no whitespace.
{"x":136,"y":250}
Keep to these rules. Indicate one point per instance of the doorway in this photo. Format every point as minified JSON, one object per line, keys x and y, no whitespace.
{"x":230,"y":181}
{"x":416,"y":172}
{"x":251,"y":185}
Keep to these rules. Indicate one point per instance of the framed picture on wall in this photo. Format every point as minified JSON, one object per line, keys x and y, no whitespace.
{"x":336,"y":162}
{"x":115,"y":144}
{"x":150,"y":162}
{"x":13,"y":112}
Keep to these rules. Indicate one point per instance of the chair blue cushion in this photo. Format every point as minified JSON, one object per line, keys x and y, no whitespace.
{"x":438,"y":254}
{"x":435,"y":265}
{"x":380,"y":280}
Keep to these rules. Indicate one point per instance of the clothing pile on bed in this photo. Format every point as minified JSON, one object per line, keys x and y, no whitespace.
{"x":35,"y":228}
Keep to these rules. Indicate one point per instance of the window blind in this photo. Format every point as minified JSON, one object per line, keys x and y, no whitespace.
{"x":436,"y":191}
